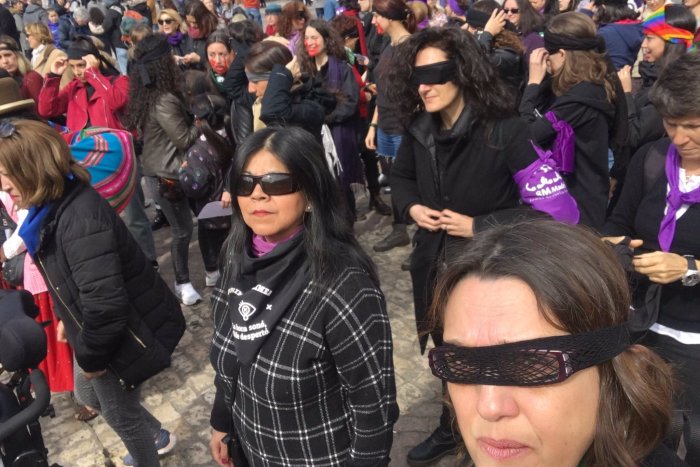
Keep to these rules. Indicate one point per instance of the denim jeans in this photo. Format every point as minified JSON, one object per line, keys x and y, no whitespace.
{"x":123,"y":412}
{"x":180,"y":219}
{"x":122,"y":59}
{"x":210,"y":243}
{"x":136,"y":220}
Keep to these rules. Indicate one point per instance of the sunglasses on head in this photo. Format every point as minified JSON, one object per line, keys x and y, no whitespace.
{"x":514,"y":11}
{"x":7,"y":129}
{"x":272,"y":184}
{"x":166,"y":21}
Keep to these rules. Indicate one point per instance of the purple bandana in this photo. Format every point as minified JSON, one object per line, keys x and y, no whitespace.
{"x":261,"y":247}
{"x":674,"y":200}
{"x":563,"y":146}
{"x":456,"y":9}
{"x":544,"y":189}
{"x":175,"y":39}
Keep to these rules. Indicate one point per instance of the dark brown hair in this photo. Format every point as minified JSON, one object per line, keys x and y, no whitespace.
{"x":676,"y":94}
{"x":207,"y":22}
{"x":285,"y":24}
{"x":579,"y":286}
{"x":332,"y":42}
{"x":396,"y":8}
{"x":264,"y":55}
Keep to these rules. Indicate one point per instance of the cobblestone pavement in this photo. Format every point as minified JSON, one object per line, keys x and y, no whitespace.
{"x":181,"y":396}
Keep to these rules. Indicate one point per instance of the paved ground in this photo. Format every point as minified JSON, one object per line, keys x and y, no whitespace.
{"x":181,"y":396}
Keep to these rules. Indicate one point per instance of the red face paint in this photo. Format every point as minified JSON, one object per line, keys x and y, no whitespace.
{"x":380,"y":30}
{"x":312,"y":48}
{"x":219,"y":69}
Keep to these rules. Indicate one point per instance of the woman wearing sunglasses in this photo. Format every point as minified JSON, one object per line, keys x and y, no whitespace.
{"x":539,"y":364}
{"x":302,"y":345}
{"x":528,"y":22}
{"x":171,"y":24}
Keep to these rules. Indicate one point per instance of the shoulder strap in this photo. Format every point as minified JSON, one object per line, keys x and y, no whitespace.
{"x":655,"y":162}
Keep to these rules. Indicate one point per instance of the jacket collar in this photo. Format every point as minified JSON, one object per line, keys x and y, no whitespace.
{"x":425,"y":127}
{"x":71,"y":190}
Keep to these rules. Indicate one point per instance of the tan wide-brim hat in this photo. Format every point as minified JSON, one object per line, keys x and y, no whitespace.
{"x":11,"y":98}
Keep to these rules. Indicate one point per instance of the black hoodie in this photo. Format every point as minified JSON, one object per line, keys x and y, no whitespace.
{"x":585,"y":107}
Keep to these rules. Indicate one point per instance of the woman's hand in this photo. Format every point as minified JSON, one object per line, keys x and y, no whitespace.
{"x":91,"y":61}
{"x":370,"y":138}
{"x":661,"y":267}
{"x":496,"y":23}
{"x":59,"y":66}
{"x":61,"y":333}
{"x":190,"y":58}
{"x":457,"y":225}
{"x":425,"y":217}
{"x":538,"y":66}
{"x":226,"y":200}
{"x":634,"y":243}
{"x":219,"y":450}
{"x":625,"y":75}
{"x":293,"y":67}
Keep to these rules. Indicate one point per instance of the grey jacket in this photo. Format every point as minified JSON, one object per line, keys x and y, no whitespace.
{"x":35,"y":14}
{"x":167,"y":135}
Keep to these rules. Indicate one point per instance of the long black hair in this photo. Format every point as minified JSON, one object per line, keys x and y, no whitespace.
{"x":483,"y":90}
{"x":329,"y":239}
{"x":164,"y":77}
{"x":212,"y":113}
{"x":680,"y":17}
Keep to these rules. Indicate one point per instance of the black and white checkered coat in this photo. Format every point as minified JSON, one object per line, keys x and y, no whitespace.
{"x":321,"y":391}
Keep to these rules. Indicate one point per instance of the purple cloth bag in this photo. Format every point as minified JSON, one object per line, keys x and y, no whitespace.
{"x":544,"y":189}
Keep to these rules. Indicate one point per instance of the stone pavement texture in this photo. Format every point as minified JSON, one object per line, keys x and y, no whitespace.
{"x":181,"y":396}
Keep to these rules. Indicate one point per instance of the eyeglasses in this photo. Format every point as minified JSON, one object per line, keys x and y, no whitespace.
{"x":301,"y":15}
{"x":166,"y":21}
{"x":7,"y":129}
{"x":513,"y":11}
{"x":272,"y":184}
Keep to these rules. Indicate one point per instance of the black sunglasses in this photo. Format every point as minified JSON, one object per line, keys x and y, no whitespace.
{"x":514,"y":11}
{"x":301,"y":15}
{"x":166,"y":21}
{"x":272,"y":184}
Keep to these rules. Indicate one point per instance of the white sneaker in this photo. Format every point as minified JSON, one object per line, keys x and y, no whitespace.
{"x":186,"y":293}
{"x":211,"y":278}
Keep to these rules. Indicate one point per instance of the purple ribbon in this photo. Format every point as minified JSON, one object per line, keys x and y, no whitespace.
{"x":674,"y":199}
{"x":563,"y":147}
{"x":456,"y":9}
{"x":423,"y":24}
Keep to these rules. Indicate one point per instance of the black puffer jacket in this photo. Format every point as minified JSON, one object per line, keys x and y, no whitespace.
{"x":117,"y":311}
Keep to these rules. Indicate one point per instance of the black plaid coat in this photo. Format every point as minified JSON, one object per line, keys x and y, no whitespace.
{"x":321,"y":391}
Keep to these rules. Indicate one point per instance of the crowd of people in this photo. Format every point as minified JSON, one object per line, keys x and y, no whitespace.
{"x":547,"y":152}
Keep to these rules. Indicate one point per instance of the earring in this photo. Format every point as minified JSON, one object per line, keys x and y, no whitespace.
{"x":308,"y":208}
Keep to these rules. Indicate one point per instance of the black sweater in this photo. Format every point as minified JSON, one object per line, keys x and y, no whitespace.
{"x":638,"y":215}
{"x":589,"y":113}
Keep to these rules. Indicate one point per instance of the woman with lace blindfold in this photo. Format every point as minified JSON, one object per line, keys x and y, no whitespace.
{"x":540,"y":366}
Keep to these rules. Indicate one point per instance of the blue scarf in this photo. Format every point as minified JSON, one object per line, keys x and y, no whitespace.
{"x":31,"y":227}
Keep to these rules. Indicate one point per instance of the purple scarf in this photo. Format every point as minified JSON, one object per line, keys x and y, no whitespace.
{"x":456,"y":9}
{"x":261,"y":247}
{"x":675,"y":199}
{"x":175,"y":39}
{"x":563,"y":146}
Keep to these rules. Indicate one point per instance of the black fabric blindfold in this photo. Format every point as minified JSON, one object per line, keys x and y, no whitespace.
{"x":397,"y":15}
{"x":554,"y":42}
{"x":151,"y":56}
{"x":436,"y":73}
{"x":77,"y":53}
{"x":477,"y":19}
{"x":534,"y":362}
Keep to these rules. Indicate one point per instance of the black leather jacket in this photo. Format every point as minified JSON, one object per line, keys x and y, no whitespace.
{"x":167,"y":135}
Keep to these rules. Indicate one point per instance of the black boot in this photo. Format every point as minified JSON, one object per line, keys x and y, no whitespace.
{"x":159,"y":221}
{"x":438,"y":445}
{"x":376,"y":203}
{"x":397,"y":237}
